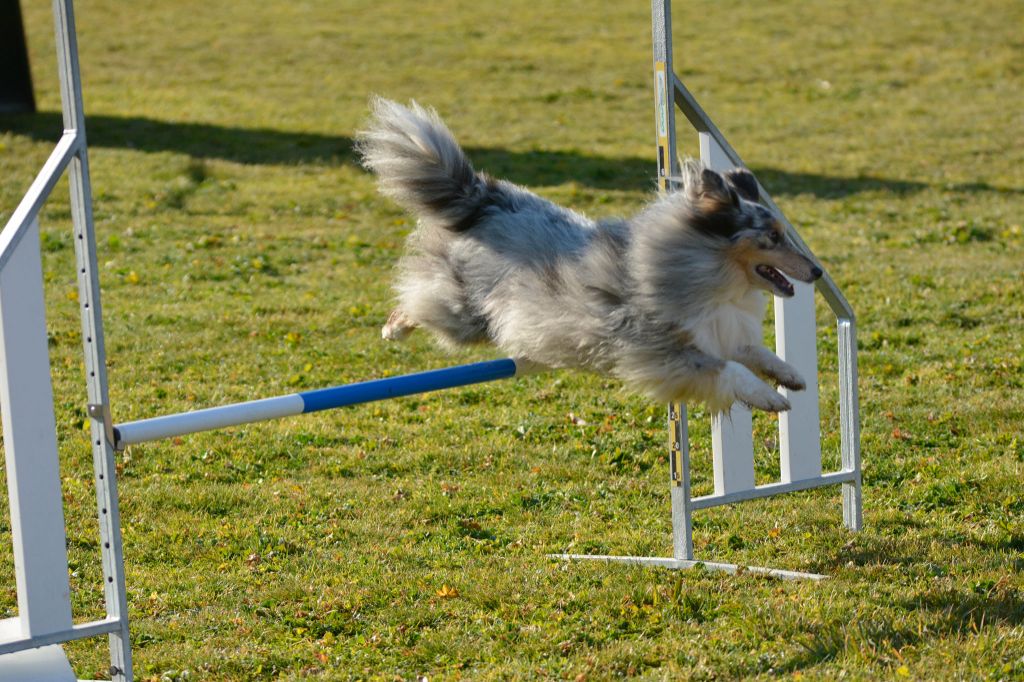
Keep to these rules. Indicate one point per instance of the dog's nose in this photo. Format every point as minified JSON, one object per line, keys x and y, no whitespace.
{"x":816,"y":272}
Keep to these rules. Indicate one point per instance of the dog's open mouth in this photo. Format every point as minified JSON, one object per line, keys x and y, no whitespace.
{"x":778,"y":280}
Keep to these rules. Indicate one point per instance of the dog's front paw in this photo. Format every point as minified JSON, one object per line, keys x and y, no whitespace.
{"x":753,"y":392}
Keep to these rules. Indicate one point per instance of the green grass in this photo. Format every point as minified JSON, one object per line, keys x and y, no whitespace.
{"x":244,"y":254}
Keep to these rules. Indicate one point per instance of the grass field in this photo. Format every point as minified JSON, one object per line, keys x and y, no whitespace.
{"x":245,"y":254}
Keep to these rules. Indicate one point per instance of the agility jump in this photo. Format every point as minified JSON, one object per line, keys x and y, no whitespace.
{"x":30,"y":644}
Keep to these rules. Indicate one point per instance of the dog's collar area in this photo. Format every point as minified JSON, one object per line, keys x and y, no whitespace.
{"x":777,"y":279}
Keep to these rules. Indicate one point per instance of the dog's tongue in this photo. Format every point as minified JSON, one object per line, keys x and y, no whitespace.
{"x":776,"y":278}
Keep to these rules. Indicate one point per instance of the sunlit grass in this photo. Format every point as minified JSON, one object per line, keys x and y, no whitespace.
{"x":244,"y":254}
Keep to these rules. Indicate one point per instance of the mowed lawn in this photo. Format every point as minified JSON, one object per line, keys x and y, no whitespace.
{"x":245,"y":254}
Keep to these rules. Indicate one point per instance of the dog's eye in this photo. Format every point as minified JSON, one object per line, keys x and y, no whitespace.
{"x":774,"y":237}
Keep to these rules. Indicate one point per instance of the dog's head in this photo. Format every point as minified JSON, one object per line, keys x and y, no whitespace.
{"x":725,"y":207}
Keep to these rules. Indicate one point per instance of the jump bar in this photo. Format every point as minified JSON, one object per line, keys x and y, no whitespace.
{"x":310,"y":401}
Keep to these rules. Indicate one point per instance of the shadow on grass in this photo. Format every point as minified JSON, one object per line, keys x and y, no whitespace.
{"x":962,"y":611}
{"x":265,"y":146}
{"x":941,"y":613}
{"x":539,"y":168}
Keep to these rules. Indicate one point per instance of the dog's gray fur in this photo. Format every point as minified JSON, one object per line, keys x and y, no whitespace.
{"x":669,"y":301}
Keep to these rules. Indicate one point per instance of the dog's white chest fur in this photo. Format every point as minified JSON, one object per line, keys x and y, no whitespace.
{"x":723,"y":329}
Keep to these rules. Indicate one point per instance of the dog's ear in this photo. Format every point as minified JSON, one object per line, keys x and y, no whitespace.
{"x":713,"y":203}
{"x":715,"y":193}
{"x":744,"y":183}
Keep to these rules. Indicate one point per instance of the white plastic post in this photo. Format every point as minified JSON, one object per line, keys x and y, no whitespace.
{"x":732,"y":448}
{"x":30,"y":444}
{"x":796,"y":343}
{"x":732,"y":435}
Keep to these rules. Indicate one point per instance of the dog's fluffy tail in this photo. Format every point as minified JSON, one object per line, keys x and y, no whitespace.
{"x":421,"y":166}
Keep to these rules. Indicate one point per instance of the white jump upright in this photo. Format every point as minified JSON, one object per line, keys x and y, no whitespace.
{"x":30,"y":441}
{"x":796,"y":338}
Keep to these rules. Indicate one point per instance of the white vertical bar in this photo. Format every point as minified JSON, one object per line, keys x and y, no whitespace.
{"x":713,"y":156}
{"x":30,"y":444}
{"x":732,"y":435}
{"x":732,"y":446}
{"x":796,"y":343}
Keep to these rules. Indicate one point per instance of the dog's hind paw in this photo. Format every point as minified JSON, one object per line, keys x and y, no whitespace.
{"x":398,"y":327}
{"x":791,"y":380}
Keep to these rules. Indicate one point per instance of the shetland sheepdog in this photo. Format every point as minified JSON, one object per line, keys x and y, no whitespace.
{"x":670,"y":301}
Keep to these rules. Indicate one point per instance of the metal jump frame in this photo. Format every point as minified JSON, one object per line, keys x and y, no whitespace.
{"x":800,"y":443}
{"x":37,"y":520}
{"x":29,"y":643}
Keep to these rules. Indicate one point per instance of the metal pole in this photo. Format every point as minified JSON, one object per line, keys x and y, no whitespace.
{"x":664,"y":92}
{"x":849,"y":415}
{"x":668,"y":169}
{"x":679,"y":480}
{"x":104,"y":466}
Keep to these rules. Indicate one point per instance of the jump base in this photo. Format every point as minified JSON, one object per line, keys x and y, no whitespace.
{"x":665,"y":562}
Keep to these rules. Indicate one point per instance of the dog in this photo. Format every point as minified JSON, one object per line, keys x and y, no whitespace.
{"x":670,"y":301}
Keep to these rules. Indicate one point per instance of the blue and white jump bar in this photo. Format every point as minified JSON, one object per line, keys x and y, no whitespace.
{"x":310,"y":401}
